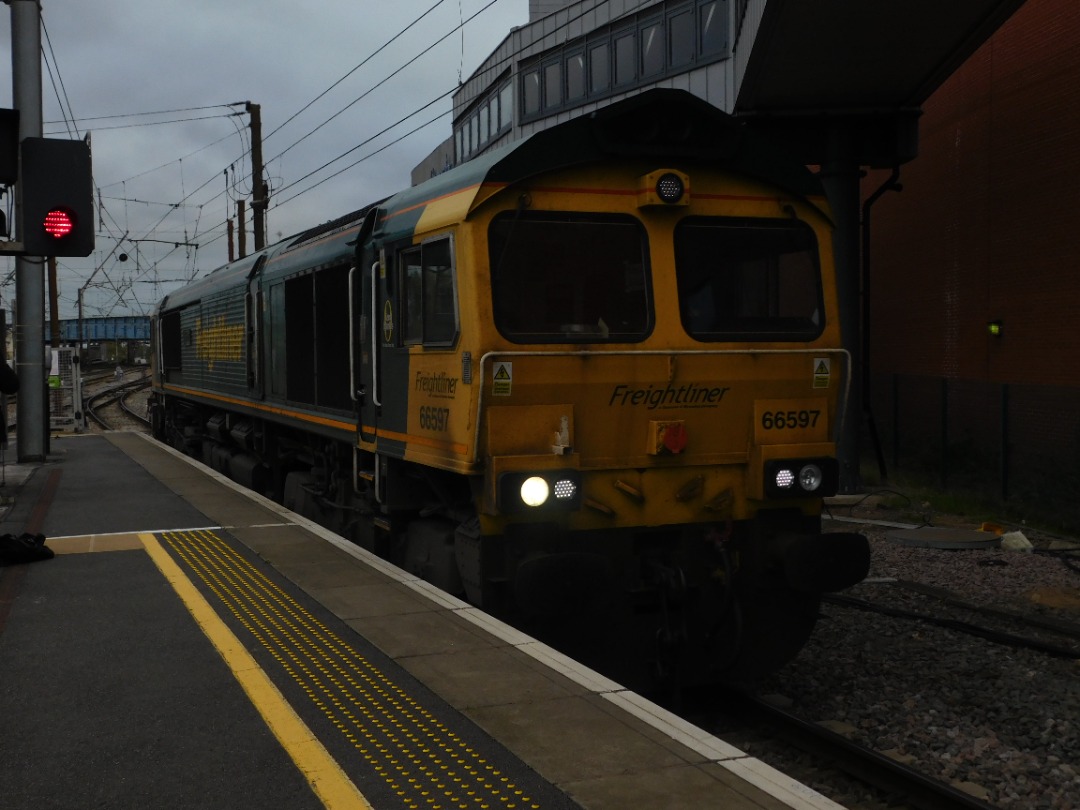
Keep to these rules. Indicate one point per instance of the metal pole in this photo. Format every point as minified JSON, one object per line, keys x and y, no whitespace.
{"x":29,"y":276}
{"x":840,"y":176}
{"x":258,"y":187}
{"x":241,"y":230}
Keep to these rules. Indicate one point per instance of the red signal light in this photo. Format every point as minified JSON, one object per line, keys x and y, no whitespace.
{"x":59,"y":222}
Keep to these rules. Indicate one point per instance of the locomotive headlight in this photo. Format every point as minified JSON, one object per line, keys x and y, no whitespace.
{"x":810,"y":477}
{"x":543,"y":491}
{"x":534,"y":491}
{"x":801,"y":478}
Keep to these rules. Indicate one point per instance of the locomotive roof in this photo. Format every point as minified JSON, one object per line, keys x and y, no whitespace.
{"x":660,"y":124}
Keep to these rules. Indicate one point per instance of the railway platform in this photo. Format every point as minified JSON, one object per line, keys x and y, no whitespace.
{"x":192,"y":644}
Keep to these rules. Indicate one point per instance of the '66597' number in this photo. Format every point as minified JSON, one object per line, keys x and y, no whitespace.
{"x":434,"y":418}
{"x":785,"y":420}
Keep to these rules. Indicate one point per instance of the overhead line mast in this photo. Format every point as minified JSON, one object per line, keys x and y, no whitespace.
{"x":260,"y":192}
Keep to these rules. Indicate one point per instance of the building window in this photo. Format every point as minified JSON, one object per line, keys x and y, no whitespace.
{"x":506,"y":101}
{"x":652,"y":48}
{"x":667,"y":39}
{"x":552,"y":84}
{"x":713,"y":27}
{"x":625,"y":59}
{"x":485,"y":123}
{"x":681,"y":38}
{"x":530,"y":104}
{"x":600,"y":68}
{"x":575,"y":76}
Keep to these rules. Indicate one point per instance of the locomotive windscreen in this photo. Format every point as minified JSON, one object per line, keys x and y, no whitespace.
{"x":748,"y":279}
{"x":569,"y":278}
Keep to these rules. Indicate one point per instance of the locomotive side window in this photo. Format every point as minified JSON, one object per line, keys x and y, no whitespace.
{"x":412,"y":306}
{"x":748,"y":279}
{"x":429,"y":307}
{"x":300,"y":339}
{"x":171,"y":349}
{"x":569,"y":278}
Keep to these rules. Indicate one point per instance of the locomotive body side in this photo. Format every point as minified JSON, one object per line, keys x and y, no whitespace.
{"x":593,"y":381}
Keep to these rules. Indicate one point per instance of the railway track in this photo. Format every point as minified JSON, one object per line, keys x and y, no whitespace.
{"x":894,"y":783}
{"x":119,"y":406}
{"x":995,"y":628}
{"x":958,"y":667}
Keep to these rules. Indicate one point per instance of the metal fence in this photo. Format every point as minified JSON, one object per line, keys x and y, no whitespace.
{"x":1002,"y":442}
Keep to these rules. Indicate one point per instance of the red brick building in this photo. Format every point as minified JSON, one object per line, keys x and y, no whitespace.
{"x":987,"y":229}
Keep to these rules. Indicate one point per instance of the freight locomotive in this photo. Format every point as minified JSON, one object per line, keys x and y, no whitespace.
{"x":591,"y":380}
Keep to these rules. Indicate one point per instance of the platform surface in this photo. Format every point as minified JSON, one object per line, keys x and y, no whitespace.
{"x":195,"y":645}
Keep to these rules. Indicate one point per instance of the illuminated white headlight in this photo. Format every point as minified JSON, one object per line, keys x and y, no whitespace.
{"x":534,"y":491}
{"x":810,"y":477}
{"x":784,"y":478}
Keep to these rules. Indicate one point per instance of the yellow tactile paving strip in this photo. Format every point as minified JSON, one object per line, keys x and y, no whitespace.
{"x":327,"y":779}
{"x":423,"y":762}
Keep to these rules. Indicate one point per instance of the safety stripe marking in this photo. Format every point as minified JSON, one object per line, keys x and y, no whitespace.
{"x":418,"y":757}
{"x":327,"y":779}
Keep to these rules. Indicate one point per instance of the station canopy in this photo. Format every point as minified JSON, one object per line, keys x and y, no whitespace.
{"x":862,"y":66}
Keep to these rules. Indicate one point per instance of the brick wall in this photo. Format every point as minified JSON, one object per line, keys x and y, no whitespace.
{"x":988,"y":224}
{"x":988,"y":227}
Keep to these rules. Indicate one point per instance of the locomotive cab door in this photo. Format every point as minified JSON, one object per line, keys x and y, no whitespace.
{"x":366,"y":294}
{"x":253,"y":331}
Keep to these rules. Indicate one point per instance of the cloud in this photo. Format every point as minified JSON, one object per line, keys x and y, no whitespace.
{"x":169,"y":182}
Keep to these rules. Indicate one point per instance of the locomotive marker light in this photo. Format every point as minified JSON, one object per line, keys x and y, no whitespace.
{"x":664,"y":187}
{"x":670,"y":188}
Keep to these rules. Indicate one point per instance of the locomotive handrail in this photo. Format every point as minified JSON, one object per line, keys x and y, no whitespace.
{"x":352,"y":333}
{"x":660,"y":353}
{"x":375,"y":400}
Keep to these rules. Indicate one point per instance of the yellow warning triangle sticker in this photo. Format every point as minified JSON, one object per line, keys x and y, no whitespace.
{"x":822,"y":368}
{"x":501,"y":373}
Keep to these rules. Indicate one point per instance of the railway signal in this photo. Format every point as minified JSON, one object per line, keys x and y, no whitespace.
{"x":57,"y":187}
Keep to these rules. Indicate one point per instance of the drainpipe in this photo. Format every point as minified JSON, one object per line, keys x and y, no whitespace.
{"x":891,"y":184}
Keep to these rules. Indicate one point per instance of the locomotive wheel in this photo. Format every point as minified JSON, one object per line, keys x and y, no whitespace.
{"x":763,"y":629}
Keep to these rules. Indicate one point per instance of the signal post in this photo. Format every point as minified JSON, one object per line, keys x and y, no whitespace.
{"x":54,"y":217}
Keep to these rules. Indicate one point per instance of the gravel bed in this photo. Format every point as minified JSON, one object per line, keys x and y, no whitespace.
{"x":1002,"y":723}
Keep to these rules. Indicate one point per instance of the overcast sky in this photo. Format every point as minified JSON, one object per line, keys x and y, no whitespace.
{"x":156,"y":84}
